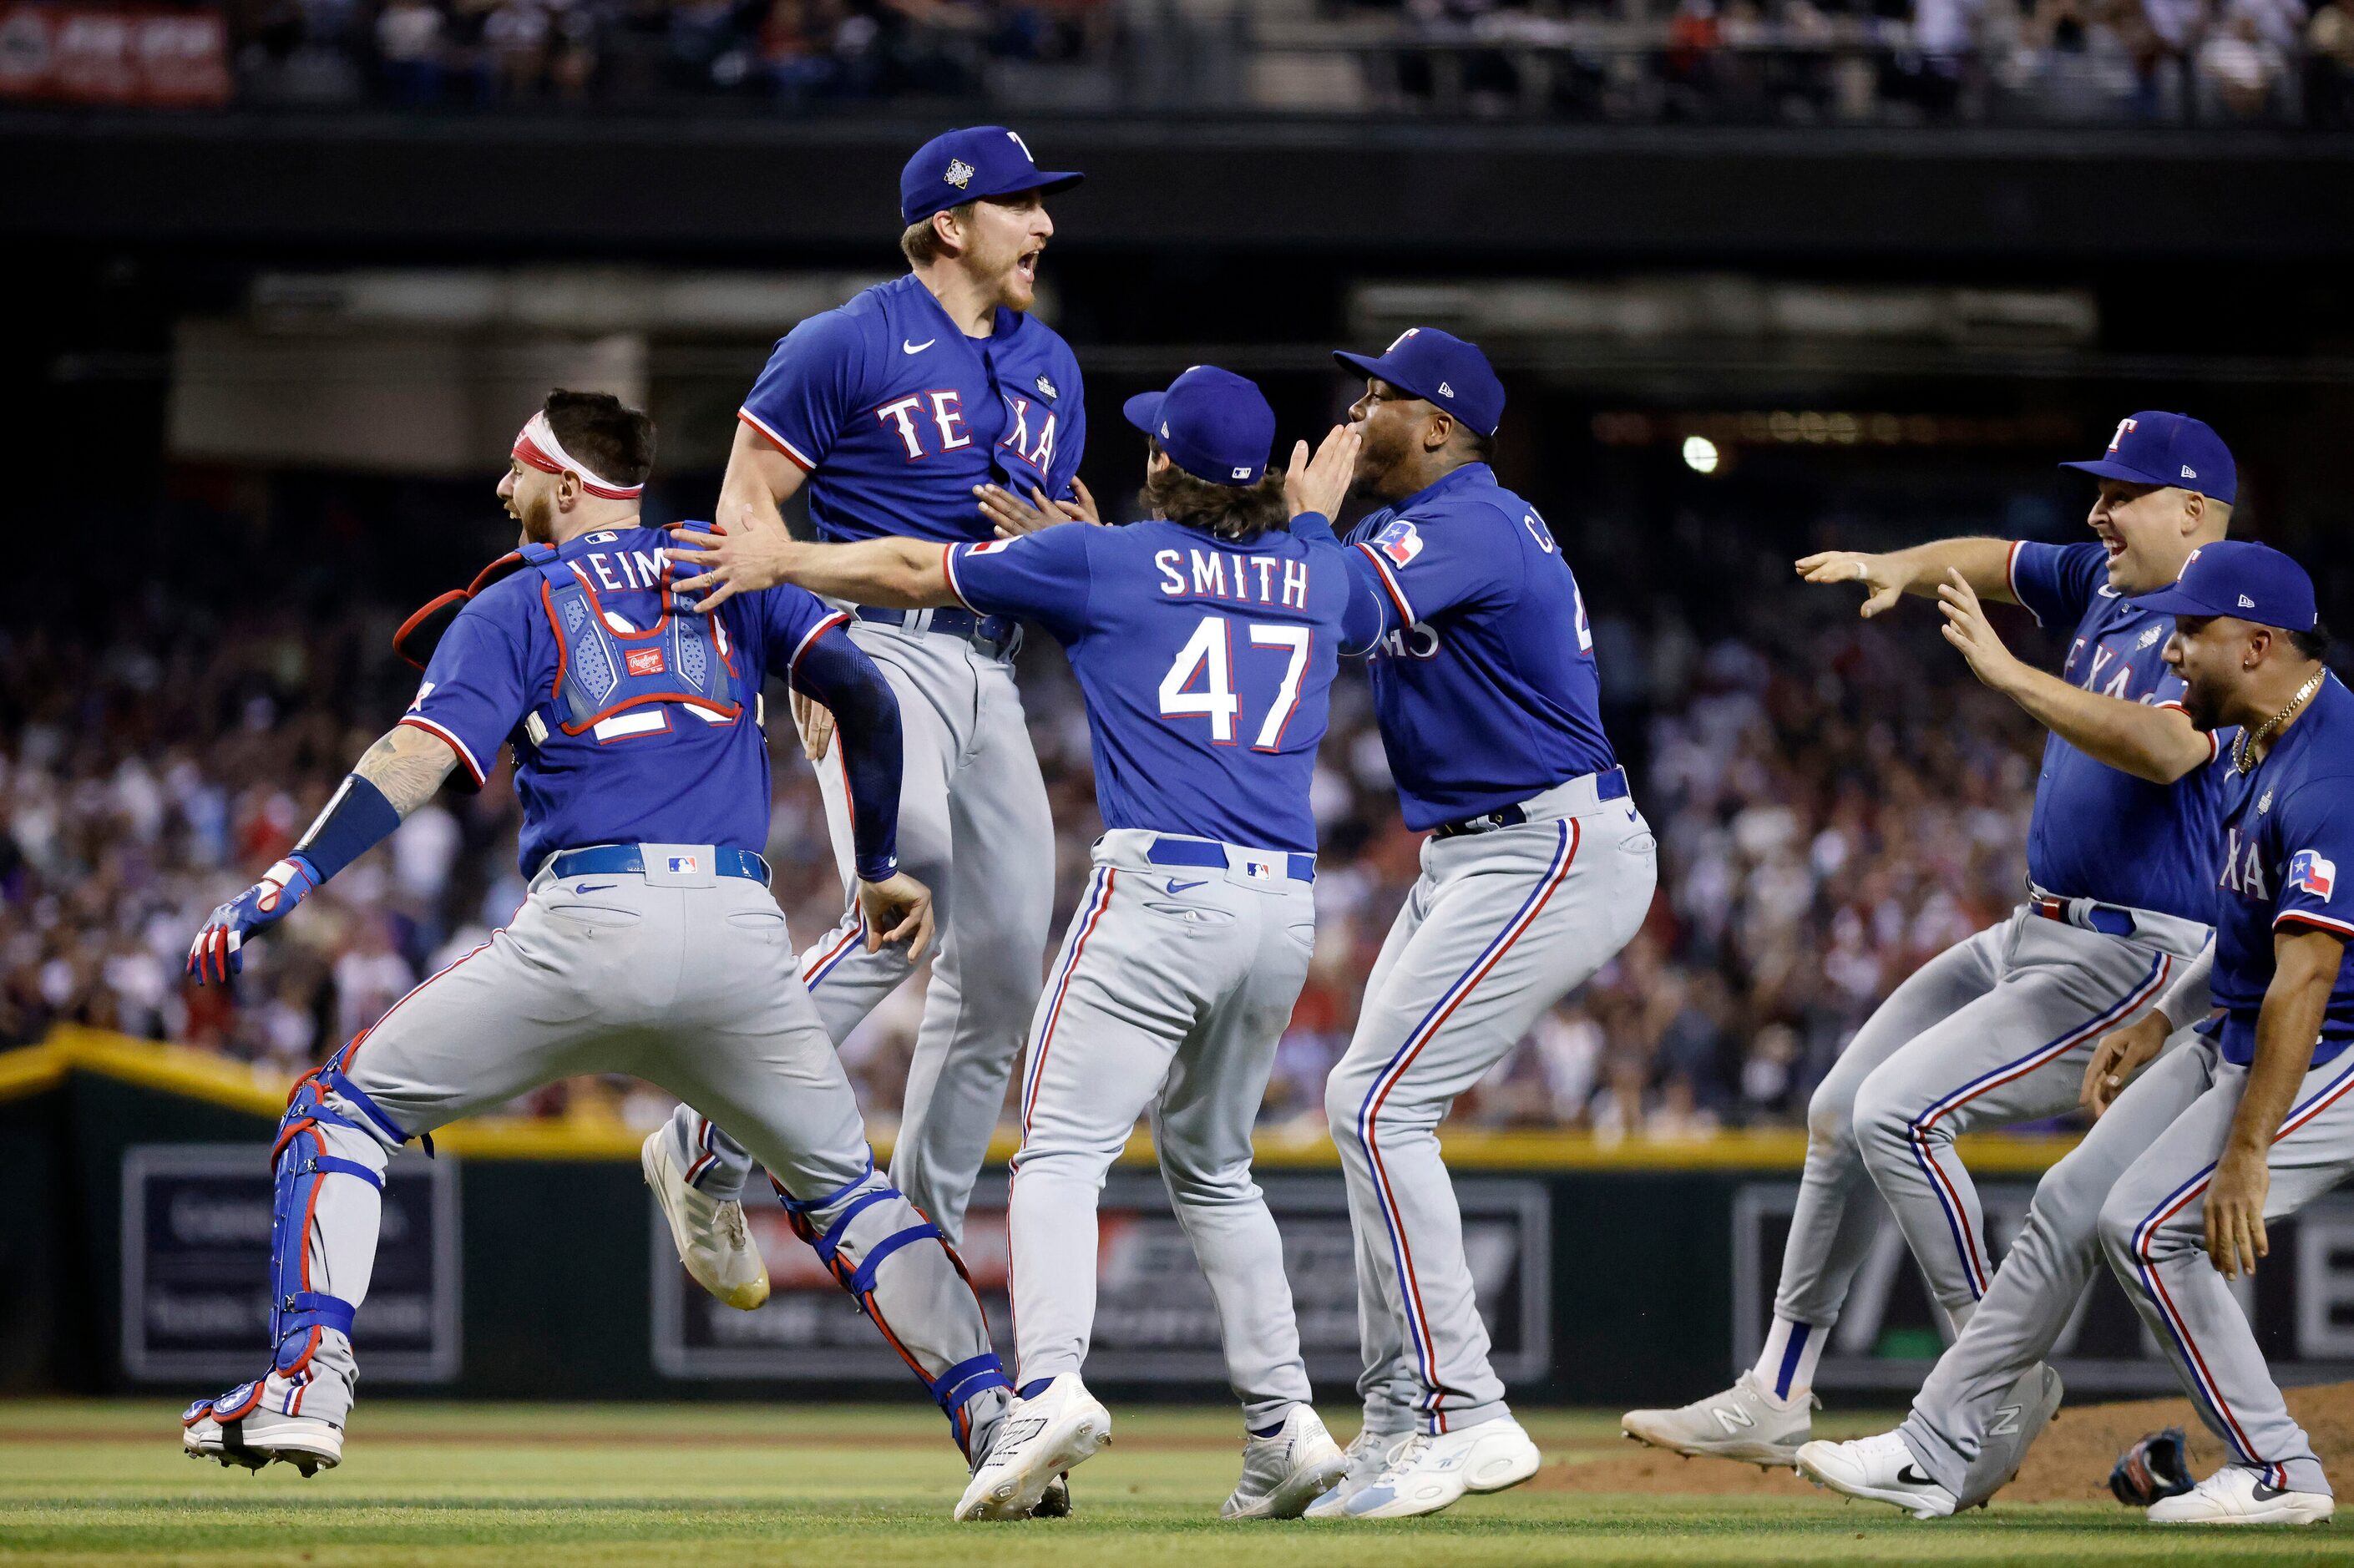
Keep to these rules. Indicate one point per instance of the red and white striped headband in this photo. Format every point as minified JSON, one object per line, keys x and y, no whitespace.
{"x":536,"y":445}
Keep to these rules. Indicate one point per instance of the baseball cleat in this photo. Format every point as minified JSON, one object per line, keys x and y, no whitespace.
{"x":1040,"y":1440}
{"x":238,"y":1428}
{"x":1424,"y":1473}
{"x":1746,"y":1422}
{"x":1283,"y":1474}
{"x":2237,"y":1495}
{"x":1367,"y":1452}
{"x":2025,"y":1410}
{"x":1878,"y":1469}
{"x":710,"y":1235}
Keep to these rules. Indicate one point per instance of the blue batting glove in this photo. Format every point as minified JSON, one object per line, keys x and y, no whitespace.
{"x":216,"y":953}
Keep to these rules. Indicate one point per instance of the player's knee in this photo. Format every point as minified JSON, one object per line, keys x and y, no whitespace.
{"x":1830,"y":1117}
{"x":1345,"y":1094}
{"x":1196,"y":1184}
{"x":2120,"y":1225}
{"x":1881,"y":1120}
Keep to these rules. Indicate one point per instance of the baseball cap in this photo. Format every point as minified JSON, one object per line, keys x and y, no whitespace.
{"x":1212,"y":423}
{"x":2240,"y":578}
{"x":1439,"y":368}
{"x":959,"y":167}
{"x":2155,"y":448}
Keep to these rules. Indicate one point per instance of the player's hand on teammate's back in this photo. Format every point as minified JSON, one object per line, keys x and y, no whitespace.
{"x":1886,"y":581}
{"x":814,"y":720}
{"x":2120,"y":1054}
{"x":218,"y":950}
{"x":749,"y":554}
{"x":1967,"y":629}
{"x":1321,"y":482}
{"x":896,"y":910}
{"x":1014,"y":516}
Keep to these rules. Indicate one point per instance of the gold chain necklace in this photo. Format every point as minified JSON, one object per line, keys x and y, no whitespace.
{"x":2249,"y":740}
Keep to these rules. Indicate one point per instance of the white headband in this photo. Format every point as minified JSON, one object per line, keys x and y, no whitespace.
{"x":536,"y":445}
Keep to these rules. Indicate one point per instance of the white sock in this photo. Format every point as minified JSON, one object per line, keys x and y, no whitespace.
{"x":1786,"y":1365}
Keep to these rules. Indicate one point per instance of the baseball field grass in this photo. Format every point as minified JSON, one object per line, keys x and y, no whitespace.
{"x":105,"y":1482}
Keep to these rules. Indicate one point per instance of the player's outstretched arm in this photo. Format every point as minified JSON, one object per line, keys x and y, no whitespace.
{"x":894,"y":573}
{"x":398,"y":774}
{"x":2159,"y":744}
{"x":2121,"y":1053}
{"x":837,"y":673}
{"x":2306,"y":960}
{"x":1985,"y":565}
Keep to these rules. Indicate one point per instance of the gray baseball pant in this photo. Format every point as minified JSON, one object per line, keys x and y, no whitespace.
{"x":1174,"y":986}
{"x":1499,"y":926}
{"x":687,"y":981}
{"x":2153,"y":1231}
{"x":1994,"y":1030}
{"x":975,"y":828}
{"x":1958,"y":1417}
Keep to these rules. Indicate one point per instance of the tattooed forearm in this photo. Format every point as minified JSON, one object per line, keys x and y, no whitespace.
{"x":409,"y":766}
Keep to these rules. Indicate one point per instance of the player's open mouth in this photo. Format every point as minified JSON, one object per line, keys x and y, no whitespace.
{"x":1026,"y":267}
{"x":2116,"y":547}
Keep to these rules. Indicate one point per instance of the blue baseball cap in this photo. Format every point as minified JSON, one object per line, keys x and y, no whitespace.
{"x":2240,"y":578}
{"x":959,"y":167}
{"x":1212,"y":423}
{"x":1439,"y":368}
{"x":2154,"y":448}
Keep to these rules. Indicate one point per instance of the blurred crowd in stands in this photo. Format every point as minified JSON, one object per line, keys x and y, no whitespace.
{"x":1743,"y":61}
{"x":1836,"y":802}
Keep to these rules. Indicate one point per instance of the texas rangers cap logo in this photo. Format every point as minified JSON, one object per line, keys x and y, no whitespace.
{"x":2309,"y":871}
{"x":2124,"y":428}
{"x":1401,"y":542}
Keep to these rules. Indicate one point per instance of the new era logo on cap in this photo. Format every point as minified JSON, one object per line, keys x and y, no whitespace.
{"x":2247,"y":603}
{"x":1445,"y":390}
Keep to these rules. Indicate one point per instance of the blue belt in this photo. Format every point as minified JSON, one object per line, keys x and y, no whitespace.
{"x":994,"y":630}
{"x":1204,"y":851}
{"x":1610,"y":785}
{"x":604,"y":860}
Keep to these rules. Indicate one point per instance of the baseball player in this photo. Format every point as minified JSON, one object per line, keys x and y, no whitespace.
{"x":649,"y":944}
{"x":1537,"y":870}
{"x":1999,"y":1029}
{"x":895,"y":410}
{"x":1204,"y":642}
{"x":2248,"y":1121}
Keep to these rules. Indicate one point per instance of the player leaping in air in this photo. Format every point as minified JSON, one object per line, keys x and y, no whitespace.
{"x":649,"y":944}
{"x":894,"y":410}
{"x":1997,"y":1029}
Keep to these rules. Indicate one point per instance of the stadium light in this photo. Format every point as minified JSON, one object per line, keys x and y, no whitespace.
{"x":1700,"y":454}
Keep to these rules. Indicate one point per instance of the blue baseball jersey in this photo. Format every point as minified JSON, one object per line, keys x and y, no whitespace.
{"x":666,"y":772}
{"x":2096,"y":832}
{"x":1206,"y":665}
{"x":1484,"y":678}
{"x":2289,"y":828}
{"x":896,"y":414}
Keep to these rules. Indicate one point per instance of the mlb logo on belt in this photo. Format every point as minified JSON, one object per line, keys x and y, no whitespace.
{"x":646,"y":661}
{"x":2309,"y":871}
{"x":1259,"y":870}
{"x":1401,"y":542}
{"x":684,"y":864}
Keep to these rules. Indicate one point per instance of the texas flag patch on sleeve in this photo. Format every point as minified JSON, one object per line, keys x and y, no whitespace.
{"x":1401,"y":542}
{"x":2310,"y":871}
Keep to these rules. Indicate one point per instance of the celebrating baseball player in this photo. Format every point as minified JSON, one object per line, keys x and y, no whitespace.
{"x":1537,"y":870}
{"x":649,"y":944}
{"x":2247,"y":1121}
{"x":895,"y":410}
{"x":1997,"y":1029}
{"x":1204,"y":642}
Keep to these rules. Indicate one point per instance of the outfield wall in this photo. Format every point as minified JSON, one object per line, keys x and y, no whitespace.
{"x":527,"y":1261}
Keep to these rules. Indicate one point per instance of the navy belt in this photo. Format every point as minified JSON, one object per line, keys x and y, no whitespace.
{"x":604,"y":860}
{"x":1206,"y":852}
{"x":994,"y":631}
{"x":1607,"y":786}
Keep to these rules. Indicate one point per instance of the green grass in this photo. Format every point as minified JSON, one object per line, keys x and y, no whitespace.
{"x":870,"y":1487}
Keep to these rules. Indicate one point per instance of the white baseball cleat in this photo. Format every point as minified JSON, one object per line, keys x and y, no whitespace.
{"x":1877,"y":1469}
{"x":1367,"y":1452}
{"x":1283,"y":1474}
{"x":239,"y":1429}
{"x":1040,"y":1439}
{"x":709,"y":1234}
{"x":2236,"y":1495}
{"x":1425,"y":1474}
{"x":1746,"y":1422}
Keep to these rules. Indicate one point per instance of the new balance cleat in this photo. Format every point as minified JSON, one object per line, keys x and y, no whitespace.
{"x":1040,"y":1440}
{"x":1283,"y":1474}
{"x":1746,"y":1422}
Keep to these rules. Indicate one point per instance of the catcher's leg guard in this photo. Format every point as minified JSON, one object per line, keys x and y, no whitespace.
{"x":924,"y":1305}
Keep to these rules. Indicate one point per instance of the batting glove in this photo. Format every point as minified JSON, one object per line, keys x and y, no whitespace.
{"x":216,"y":954}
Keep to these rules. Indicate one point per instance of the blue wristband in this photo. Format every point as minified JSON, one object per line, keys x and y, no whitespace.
{"x":356,"y":820}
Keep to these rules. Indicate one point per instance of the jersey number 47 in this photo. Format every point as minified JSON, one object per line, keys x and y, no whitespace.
{"x":1208,"y":659}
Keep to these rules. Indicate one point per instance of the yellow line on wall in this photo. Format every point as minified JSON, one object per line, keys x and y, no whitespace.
{"x":219,"y":1080}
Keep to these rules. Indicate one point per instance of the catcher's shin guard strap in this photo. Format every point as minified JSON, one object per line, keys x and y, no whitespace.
{"x":827,"y":1246}
{"x":333,"y":1076}
{"x":967,"y":1378}
{"x":796,"y":1207}
{"x":863,"y":1281}
{"x":304,"y":1310}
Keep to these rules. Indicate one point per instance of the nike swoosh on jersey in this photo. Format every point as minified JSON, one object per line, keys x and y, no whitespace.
{"x":907,"y":347}
{"x":1176,"y":886}
{"x":599,"y":887}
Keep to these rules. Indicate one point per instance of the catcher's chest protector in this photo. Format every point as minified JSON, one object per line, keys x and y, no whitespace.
{"x":608,"y":674}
